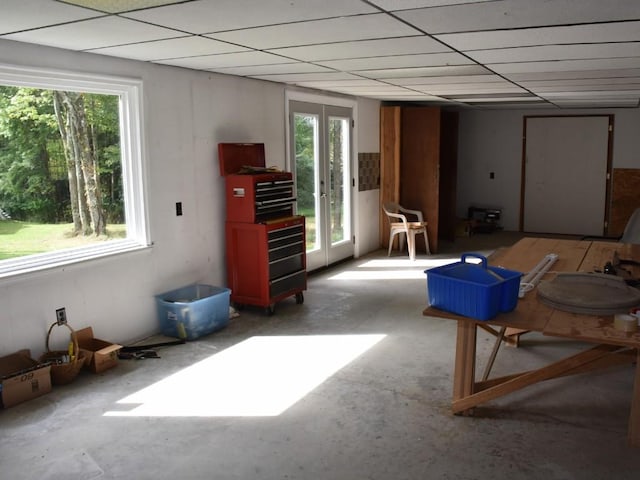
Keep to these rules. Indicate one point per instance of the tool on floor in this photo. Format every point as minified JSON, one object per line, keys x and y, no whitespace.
{"x":138,"y":352}
{"x":139,"y":355}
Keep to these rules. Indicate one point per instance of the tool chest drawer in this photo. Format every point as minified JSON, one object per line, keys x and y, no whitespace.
{"x":266,"y":262}
{"x":259,"y":198}
{"x":286,"y":242}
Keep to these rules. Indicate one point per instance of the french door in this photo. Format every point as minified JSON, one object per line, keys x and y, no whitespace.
{"x":321,"y":146}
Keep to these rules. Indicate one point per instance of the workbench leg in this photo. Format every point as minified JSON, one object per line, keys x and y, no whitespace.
{"x":464,"y":375}
{"x":634,"y":417}
{"x":494,"y":352}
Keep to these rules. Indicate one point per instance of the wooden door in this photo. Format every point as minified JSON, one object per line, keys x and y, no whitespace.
{"x":389,"y":165}
{"x":420,"y":167}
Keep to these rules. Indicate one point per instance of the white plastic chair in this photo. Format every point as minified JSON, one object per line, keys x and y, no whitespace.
{"x":631,"y":232}
{"x":399,"y":224}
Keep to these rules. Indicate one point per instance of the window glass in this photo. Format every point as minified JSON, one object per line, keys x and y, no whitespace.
{"x":71,"y":183}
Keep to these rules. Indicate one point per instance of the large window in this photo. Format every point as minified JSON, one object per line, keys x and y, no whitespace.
{"x":71,"y":168}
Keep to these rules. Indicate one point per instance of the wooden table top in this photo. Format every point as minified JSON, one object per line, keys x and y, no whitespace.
{"x":573,"y":256}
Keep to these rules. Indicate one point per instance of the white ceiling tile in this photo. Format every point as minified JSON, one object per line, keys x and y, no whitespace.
{"x":115,"y":6}
{"x":469,"y":89}
{"x":395,"y":5}
{"x":406,"y":96}
{"x":570,"y":75}
{"x":276,"y":69}
{"x":398,"y":61}
{"x":208,"y":16}
{"x":425,"y":71}
{"x":578,"y":82}
{"x":225,"y":60}
{"x":364,"y":48}
{"x":556,"y":52}
{"x":447,"y":80}
{"x":507,"y":14}
{"x":597,"y":33}
{"x":362,"y":27}
{"x":307,"y":77}
{"x":594,"y":103}
{"x":171,"y":48}
{"x":499,"y":99}
{"x":17,"y":15}
{"x":323,"y":84}
{"x":95,"y":33}
{"x":595,"y":94}
{"x":363,"y":91}
{"x":561,"y":89}
{"x":565,"y":65}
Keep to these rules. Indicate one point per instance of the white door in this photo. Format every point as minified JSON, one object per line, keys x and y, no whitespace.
{"x":565,"y":171}
{"x":321,"y":146}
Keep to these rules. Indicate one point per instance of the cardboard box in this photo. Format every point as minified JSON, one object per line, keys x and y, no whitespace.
{"x":101,"y":355}
{"x":22,"y":378}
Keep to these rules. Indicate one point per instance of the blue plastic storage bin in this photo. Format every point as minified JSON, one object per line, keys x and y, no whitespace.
{"x":193,"y":311}
{"x":476,"y":291}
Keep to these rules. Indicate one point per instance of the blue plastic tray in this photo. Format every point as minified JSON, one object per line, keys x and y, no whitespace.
{"x":193,"y":311}
{"x":473,"y":290}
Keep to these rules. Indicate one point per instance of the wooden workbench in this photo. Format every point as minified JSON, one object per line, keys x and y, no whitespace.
{"x":610,"y":346}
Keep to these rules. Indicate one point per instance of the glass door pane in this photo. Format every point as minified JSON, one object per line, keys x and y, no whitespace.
{"x":339,"y":180}
{"x":306,"y":136}
{"x":321,"y":146}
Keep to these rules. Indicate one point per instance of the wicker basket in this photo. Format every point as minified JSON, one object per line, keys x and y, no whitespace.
{"x":63,"y":372}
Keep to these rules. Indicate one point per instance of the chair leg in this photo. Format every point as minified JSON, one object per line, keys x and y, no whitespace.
{"x":411,"y":245}
{"x":390,"y":244}
{"x":426,"y":242}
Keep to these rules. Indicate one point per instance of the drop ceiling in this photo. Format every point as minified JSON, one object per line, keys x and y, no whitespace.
{"x":481,"y":53}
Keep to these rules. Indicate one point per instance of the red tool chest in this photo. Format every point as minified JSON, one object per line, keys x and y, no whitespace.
{"x":265,"y":241}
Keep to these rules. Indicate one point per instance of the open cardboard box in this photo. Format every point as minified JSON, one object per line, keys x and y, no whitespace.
{"x":22,"y":378}
{"x":101,"y":355}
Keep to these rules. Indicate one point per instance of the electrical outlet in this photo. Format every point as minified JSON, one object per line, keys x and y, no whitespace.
{"x":178,"y":209}
{"x":61,"y":316}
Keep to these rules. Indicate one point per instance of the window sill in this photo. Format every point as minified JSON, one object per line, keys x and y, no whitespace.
{"x":61,"y":258}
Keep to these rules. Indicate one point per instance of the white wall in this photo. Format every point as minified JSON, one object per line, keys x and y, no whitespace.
{"x":186,"y":114}
{"x":368,"y":202}
{"x":491,"y":141}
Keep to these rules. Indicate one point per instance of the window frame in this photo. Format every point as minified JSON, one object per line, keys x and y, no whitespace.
{"x":133,"y":159}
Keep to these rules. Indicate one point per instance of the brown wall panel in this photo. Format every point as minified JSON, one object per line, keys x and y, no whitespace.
{"x":625,"y":198}
{"x":389,"y":164}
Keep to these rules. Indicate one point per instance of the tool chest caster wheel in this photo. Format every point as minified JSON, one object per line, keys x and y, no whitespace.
{"x":299,"y":298}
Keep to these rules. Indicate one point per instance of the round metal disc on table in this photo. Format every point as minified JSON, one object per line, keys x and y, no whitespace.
{"x":589,"y":293}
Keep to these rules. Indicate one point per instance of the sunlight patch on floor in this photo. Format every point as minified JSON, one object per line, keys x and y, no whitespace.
{"x":261,"y":376}
{"x":395,"y":268}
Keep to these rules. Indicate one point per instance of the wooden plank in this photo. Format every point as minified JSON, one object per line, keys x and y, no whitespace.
{"x":550,"y":371}
{"x":464,"y":374}
{"x":419,"y":169}
{"x":512,"y":336}
{"x":389,"y":164}
{"x":612,"y":360}
{"x":494,"y":352}
{"x":529,"y":251}
{"x":602,"y":252}
{"x":590,"y":328}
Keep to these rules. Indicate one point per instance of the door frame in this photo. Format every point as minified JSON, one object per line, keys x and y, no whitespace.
{"x":306,"y":97}
{"x":607,"y":199}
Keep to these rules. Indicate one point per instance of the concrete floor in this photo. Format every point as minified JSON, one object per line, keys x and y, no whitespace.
{"x":367,"y":388}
